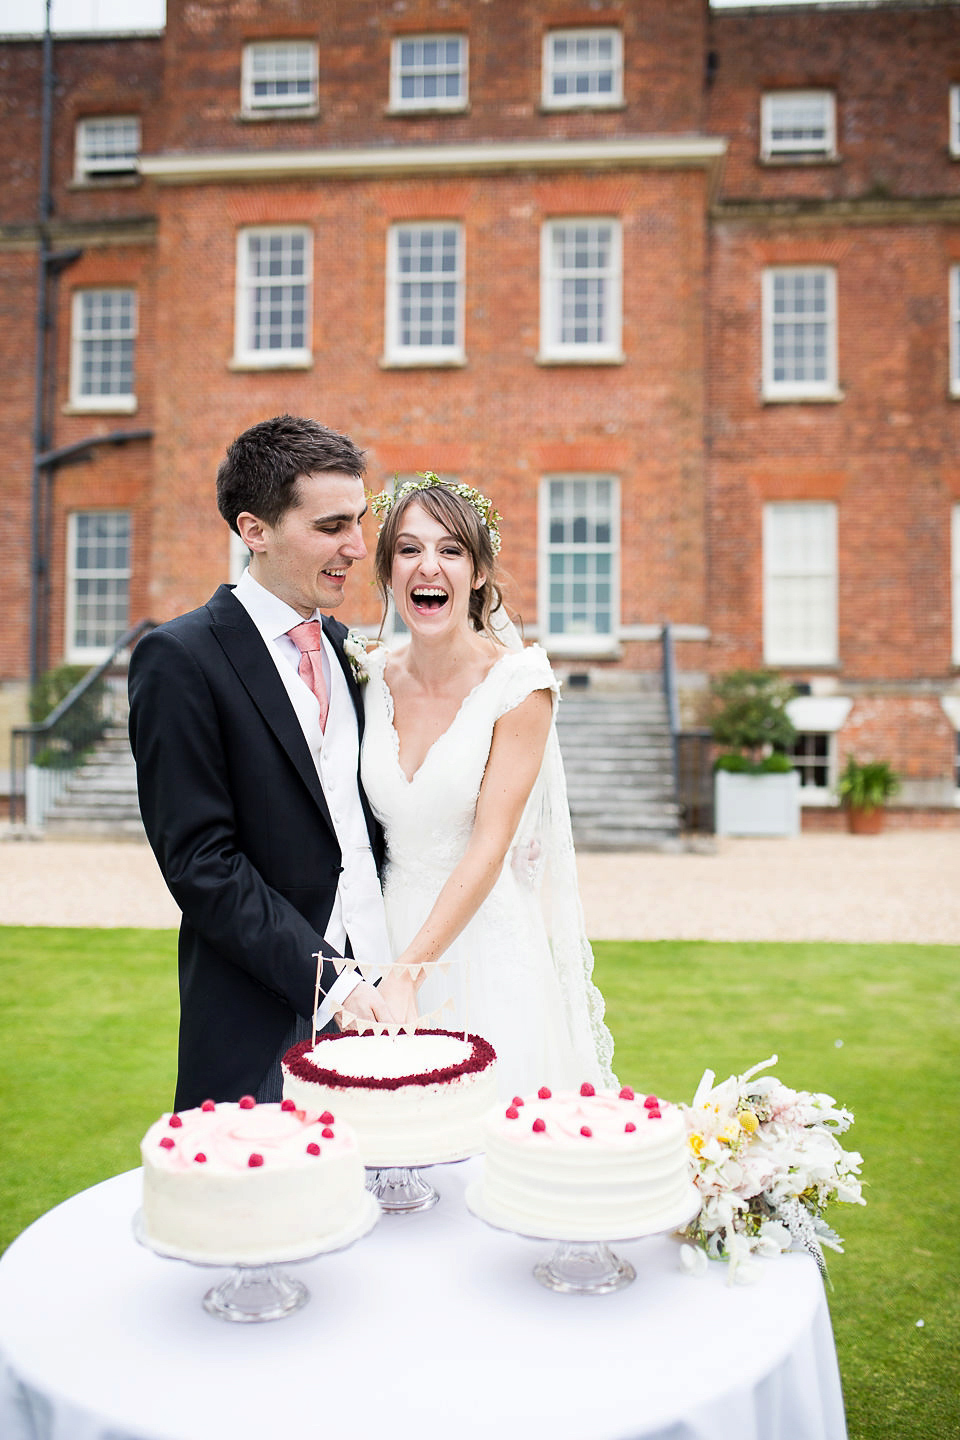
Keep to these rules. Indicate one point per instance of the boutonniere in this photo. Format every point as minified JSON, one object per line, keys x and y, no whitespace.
{"x":355,"y":649}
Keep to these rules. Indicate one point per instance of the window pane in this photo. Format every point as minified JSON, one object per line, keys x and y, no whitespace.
{"x":106,"y":323}
{"x":100,"y":579}
{"x":277,"y":295}
{"x":429,"y":71}
{"x":799,"y":564}
{"x":426,"y":290}
{"x":281,"y":74}
{"x":583,"y":67}
{"x":579,"y":565}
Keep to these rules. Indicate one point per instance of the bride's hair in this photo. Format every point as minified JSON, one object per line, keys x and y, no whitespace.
{"x":461,"y":520}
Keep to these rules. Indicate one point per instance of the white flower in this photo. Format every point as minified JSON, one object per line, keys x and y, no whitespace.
{"x":767,"y":1162}
{"x":355,"y":649}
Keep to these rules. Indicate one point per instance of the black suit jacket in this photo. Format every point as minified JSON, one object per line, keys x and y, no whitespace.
{"x":237,"y":819}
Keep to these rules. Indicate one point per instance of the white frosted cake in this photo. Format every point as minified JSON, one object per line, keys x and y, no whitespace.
{"x":585,"y":1166}
{"x":412,"y":1099}
{"x":245,"y":1183}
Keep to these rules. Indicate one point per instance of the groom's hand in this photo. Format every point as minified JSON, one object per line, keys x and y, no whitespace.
{"x":364,"y":1003}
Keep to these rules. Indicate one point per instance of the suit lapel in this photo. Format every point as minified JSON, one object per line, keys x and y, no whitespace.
{"x":244,"y":647}
{"x":336,"y":634}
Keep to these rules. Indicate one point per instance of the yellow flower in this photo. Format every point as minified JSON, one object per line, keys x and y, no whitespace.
{"x":749,"y":1122}
{"x":696,"y":1143}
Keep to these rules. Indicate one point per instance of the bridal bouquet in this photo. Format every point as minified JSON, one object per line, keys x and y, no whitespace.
{"x":767,"y":1164}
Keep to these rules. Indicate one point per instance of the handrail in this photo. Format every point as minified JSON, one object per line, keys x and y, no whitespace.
{"x":26,"y":738}
{"x":670,"y":696}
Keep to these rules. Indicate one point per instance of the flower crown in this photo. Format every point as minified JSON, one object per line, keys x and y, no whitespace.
{"x":383,"y":503}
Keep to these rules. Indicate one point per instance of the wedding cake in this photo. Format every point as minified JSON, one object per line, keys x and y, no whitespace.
{"x":413,"y":1099}
{"x":246,"y":1183}
{"x":585,"y":1166}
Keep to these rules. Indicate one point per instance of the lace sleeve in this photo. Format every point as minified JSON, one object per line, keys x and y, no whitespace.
{"x":523,"y":672}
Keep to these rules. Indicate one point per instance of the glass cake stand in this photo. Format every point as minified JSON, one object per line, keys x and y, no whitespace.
{"x":402,"y":1190}
{"x":582,"y":1266}
{"x":259,"y":1291}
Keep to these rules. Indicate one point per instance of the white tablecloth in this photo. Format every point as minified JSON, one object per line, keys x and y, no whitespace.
{"x":432,"y":1327}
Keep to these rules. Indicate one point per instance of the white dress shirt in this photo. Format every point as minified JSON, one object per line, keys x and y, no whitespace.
{"x":358,"y":907}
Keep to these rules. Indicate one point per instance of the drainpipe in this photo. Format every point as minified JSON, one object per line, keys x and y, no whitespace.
{"x":50,"y":263}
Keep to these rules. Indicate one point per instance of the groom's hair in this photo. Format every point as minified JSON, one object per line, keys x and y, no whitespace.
{"x":260,"y":470}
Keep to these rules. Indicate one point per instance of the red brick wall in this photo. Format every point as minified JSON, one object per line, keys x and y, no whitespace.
{"x":891,"y":68}
{"x":663,"y":47}
{"x":501,"y":421}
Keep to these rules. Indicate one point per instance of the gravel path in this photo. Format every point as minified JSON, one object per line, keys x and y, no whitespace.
{"x":900,"y":886}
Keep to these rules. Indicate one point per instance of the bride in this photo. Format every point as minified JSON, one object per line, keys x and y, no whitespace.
{"x":462,"y":767}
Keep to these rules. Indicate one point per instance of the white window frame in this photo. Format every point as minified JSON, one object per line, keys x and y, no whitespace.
{"x":954,"y":322}
{"x":92,"y":654}
{"x":247,"y":355}
{"x":553,"y":281}
{"x":396,"y":351}
{"x":954,"y":140}
{"x":955,"y":578}
{"x":278,"y":106}
{"x":117,"y":401}
{"x":404,"y":104}
{"x":822,"y":716}
{"x":814,"y":648}
{"x":586,"y":642}
{"x":825,"y":388}
{"x":116,"y":161}
{"x":786,"y":149}
{"x":592,"y":98}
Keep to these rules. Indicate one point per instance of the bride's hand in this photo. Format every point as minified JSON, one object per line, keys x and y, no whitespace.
{"x":398,"y":992}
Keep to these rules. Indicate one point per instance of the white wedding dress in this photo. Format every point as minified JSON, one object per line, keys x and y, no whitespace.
{"x":535,"y":1003}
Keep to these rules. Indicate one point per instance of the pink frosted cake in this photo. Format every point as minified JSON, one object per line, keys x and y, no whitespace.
{"x":412,"y":1099}
{"x":231,"y":1183}
{"x":585,"y":1166}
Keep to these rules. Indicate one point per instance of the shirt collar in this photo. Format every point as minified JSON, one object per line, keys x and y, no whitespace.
{"x":272,"y":616}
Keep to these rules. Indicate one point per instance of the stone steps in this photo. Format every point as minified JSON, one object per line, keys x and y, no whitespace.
{"x":618,"y":760}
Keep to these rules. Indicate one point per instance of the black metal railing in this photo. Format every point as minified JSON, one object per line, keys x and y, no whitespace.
{"x":44,"y":755}
{"x":691,"y":749}
{"x":669,"y":669}
{"x":694,"y":749}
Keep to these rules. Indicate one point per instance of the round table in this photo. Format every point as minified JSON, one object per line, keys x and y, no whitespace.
{"x":432,"y":1326}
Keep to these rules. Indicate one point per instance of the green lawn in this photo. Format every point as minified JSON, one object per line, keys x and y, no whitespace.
{"x":88,"y":1062}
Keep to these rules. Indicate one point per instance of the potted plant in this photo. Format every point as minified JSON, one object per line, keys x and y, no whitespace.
{"x":756,"y":788}
{"x":864,"y":787}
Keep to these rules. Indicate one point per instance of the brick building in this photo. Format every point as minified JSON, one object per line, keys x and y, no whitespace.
{"x":680,"y":288}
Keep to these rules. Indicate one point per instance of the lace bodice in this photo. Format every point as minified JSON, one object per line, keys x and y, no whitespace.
{"x":428,"y":818}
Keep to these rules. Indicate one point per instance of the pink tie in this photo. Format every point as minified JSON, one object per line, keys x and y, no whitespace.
{"x":308,"y":638}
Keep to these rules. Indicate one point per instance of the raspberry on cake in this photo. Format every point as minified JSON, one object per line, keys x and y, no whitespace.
{"x":247,"y":1183}
{"x":585,"y":1165}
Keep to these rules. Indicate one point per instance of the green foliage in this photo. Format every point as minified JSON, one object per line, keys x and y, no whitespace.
{"x":70,"y":738}
{"x":867,"y":785}
{"x":53,"y":687}
{"x":774,"y":764}
{"x":747,"y":711}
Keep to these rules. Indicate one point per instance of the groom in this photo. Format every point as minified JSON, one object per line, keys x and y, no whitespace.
{"x":245,"y":725}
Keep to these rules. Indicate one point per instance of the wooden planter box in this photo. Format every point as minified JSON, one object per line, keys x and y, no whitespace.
{"x":757,"y":804}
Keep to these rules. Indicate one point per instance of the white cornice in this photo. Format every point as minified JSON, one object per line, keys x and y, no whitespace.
{"x":686,"y":151}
